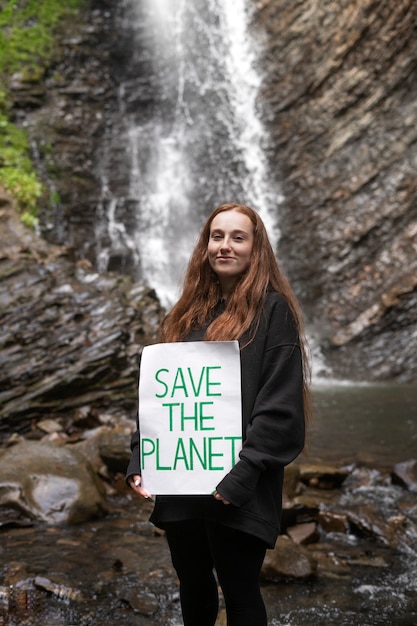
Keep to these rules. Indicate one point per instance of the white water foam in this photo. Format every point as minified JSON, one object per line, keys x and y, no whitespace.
{"x":245,"y":81}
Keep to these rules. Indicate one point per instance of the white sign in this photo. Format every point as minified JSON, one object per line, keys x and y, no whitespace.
{"x":189,"y":415}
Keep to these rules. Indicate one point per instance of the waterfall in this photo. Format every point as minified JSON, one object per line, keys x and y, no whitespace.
{"x":193,"y":136}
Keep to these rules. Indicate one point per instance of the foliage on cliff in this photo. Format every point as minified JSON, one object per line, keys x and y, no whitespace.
{"x":26,"y":49}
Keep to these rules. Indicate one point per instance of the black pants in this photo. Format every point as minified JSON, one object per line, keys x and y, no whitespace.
{"x":198,"y":546}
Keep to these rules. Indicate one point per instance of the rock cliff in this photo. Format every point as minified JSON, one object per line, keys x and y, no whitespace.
{"x":70,"y":337}
{"x":339,"y":99}
{"x":340,"y":86}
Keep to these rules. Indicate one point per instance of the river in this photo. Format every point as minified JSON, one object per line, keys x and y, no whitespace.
{"x":117,"y":570}
{"x":373,"y":424}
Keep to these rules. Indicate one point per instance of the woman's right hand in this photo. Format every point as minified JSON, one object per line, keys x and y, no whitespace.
{"x":135,"y":482}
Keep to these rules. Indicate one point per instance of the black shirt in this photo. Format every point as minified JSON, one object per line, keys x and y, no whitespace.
{"x":273,"y":432}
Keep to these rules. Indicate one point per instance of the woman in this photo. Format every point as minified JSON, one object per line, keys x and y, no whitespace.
{"x":234,"y":289}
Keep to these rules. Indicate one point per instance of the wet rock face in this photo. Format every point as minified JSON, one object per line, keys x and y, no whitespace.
{"x":339,"y":100}
{"x":340,"y":95}
{"x":70,"y":337}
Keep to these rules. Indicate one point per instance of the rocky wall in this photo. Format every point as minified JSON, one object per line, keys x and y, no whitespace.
{"x":340,"y":87}
{"x":339,"y":101}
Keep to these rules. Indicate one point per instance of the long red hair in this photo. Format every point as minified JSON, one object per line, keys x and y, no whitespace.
{"x":244,"y":306}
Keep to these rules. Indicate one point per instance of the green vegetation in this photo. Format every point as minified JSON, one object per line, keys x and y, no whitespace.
{"x":26,"y":48}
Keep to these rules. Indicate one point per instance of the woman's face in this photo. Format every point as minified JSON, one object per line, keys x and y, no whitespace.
{"x":230,"y":247}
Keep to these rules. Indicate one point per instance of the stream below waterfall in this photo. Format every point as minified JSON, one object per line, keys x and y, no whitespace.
{"x":117,"y":570}
{"x":370,"y":424}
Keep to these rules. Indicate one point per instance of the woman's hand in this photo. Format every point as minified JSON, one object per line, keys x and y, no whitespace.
{"x":219,"y":497}
{"x":135,"y":482}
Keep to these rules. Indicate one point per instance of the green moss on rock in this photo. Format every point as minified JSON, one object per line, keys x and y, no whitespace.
{"x":27,"y":30}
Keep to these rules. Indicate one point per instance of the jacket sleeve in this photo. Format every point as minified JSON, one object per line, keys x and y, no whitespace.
{"x":275,"y":434}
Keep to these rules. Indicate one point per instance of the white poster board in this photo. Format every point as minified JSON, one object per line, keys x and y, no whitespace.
{"x":189,"y":415}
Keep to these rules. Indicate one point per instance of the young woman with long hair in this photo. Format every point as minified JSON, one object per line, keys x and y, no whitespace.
{"x":234,"y":289}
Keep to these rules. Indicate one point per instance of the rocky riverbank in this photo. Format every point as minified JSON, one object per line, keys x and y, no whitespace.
{"x":338,"y":523}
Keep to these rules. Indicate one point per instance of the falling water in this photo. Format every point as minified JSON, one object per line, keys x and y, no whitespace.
{"x":193,"y":136}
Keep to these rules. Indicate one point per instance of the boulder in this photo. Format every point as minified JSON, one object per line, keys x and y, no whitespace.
{"x":405,"y":474}
{"x":49,"y":483}
{"x":288,"y":560}
{"x":323,"y":476}
{"x":304,"y":533}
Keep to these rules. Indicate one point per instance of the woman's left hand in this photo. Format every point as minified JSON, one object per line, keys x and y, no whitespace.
{"x":219,"y":497}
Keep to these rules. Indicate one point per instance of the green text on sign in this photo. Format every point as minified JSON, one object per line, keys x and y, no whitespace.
{"x":189,"y":454}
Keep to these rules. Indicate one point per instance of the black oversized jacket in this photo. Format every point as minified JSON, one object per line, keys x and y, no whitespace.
{"x":273,"y":433}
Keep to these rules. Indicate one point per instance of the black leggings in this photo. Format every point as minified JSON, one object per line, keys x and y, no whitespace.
{"x":198,"y":546}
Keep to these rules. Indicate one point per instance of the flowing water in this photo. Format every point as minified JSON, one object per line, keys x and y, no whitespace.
{"x":199,"y":141}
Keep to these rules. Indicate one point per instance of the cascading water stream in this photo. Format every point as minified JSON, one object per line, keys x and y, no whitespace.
{"x":193,"y":136}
